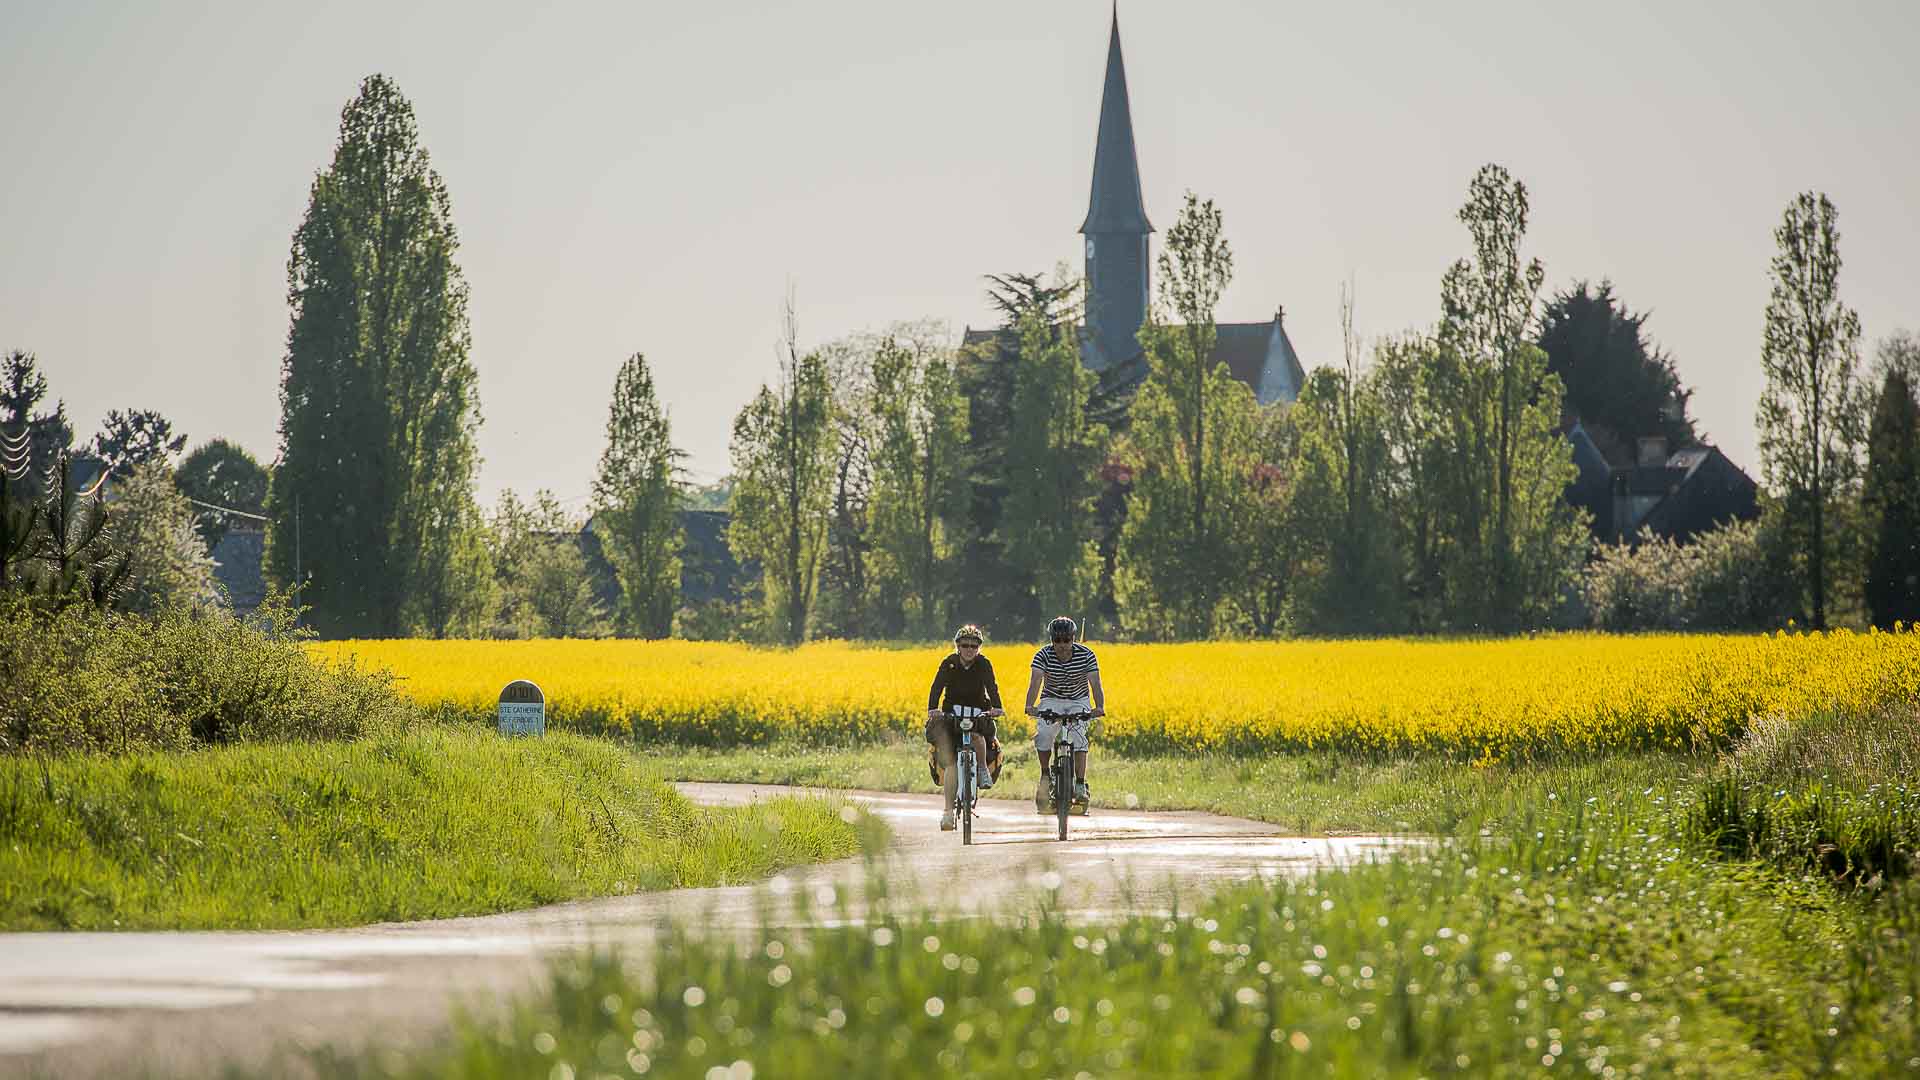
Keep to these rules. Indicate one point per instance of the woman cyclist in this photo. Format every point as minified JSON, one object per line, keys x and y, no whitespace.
{"x":965,"y":678}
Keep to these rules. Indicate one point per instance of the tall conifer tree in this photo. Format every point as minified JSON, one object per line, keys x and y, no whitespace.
{"x":1891,"y":495}
{"x":373,"y":496}
{"x":637,"y":503}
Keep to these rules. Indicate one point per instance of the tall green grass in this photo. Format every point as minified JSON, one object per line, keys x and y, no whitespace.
{"x":1307,"y":793}
{"x":427,"y":825}
{"x":1586,"y":937}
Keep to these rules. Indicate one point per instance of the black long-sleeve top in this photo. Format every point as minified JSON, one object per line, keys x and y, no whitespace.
{"x":964,"y":685}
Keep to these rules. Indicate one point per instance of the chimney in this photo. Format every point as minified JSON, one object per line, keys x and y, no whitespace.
{"x":1653,"y":450}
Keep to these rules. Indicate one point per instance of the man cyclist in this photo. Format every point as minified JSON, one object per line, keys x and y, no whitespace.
{"x":1066,"y":679}
{"x":966,"y":678}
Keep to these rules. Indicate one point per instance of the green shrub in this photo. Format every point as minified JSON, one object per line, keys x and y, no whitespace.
{"x":1731,"y":578}
{"x":86,"y":681}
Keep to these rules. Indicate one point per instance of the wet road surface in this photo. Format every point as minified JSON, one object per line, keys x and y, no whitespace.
{"x":81,"y":1004}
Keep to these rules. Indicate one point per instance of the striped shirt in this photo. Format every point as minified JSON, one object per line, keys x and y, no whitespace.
{"x":1065,"y":678}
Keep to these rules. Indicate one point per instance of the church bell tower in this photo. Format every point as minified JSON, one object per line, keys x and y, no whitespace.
{"x":1116,"y":227}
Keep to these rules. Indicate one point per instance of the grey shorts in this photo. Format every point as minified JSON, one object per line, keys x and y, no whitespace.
{"x":1046,"y":733}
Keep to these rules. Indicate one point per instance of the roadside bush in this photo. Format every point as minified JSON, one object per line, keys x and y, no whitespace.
{"x":1730,"y":578}
{"x":88,"y":681}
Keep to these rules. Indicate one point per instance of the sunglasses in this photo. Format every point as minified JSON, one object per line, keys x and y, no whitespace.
{"x":969,"y":644}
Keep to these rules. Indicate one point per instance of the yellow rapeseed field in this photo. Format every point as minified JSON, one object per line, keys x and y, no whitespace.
{"x":1479,"y":699}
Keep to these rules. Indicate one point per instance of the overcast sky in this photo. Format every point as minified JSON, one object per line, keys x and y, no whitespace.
{"x":650,"y":177}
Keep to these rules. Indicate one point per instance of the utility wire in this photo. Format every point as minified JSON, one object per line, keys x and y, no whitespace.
{"x":229,"y":510}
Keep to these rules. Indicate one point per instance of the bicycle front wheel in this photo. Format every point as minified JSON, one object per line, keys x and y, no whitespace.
{"x":1063,"y":792}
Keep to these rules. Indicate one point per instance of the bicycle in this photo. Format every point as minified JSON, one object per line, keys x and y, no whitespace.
{"x":1060,"y":769}
{"x":966,"y":787}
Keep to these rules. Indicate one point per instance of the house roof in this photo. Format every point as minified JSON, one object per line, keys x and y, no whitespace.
{"x":1115,"y":205}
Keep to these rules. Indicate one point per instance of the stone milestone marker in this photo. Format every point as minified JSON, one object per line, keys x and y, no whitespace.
{"x":523,"y":709}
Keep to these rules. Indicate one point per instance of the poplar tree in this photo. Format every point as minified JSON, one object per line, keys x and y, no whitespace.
{"x":1515,"y":544}
{"x":373,"y":496}
{"x":783,"y":454}
{"x":1192,"y":435}
{"x":637,"y":504}
{"x":1812,"y":412}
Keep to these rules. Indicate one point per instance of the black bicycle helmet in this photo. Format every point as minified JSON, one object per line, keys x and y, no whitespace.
{"x":1062,"y":629}
{"x":969,"y":631}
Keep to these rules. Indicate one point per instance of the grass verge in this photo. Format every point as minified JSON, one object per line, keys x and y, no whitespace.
{"x":1317,"y":793}
{"x":426,"y":825}
{"x":1590,"y":936}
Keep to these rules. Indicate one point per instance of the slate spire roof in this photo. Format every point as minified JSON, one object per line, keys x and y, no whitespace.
{"x":1116,"y":205}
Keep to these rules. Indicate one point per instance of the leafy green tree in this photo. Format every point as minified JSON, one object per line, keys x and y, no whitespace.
{"x":133,"y":438}
{"x":1053,"y":451}
{"x":1515,"y":545}
{"x":1421,"y":480}
{"x":783,"y":453}
{"x":541,"y":572}
{"x":1193,"y":427}
{"x":1812,"y":412}
{"x":1339,"y":514}
{"x":373,"y":496}
{"x":920,"y":426}
{"x":1613,"y":376}
{"x":154,"y":524}
{"x":847,"y":604}
{"x":40,"y":436}
{"x":1891,"y":499}
{"x":995,"y":587}
{"x":636,"y":500}
{"x":221,"y":473}
{"x":1268,"y":538}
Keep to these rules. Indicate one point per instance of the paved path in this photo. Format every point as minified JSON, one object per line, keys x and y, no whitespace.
{"x":85,"y":1004}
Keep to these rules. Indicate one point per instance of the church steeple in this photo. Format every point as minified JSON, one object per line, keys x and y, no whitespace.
{"x":1116,"y":226}
{"x":1116,"y":205}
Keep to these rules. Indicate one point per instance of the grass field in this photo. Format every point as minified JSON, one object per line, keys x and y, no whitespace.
{"x":428,"y":825}
{"x":1575,"y":919}
{"x":1464,"y":700}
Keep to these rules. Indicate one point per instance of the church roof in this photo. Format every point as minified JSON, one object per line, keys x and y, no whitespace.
{"x":1116,"y":205}
{"x":1259,"y":354}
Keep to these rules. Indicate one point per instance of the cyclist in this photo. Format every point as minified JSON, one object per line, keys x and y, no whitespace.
{"x":966,"y":678}
{"x":1066,"y":679}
